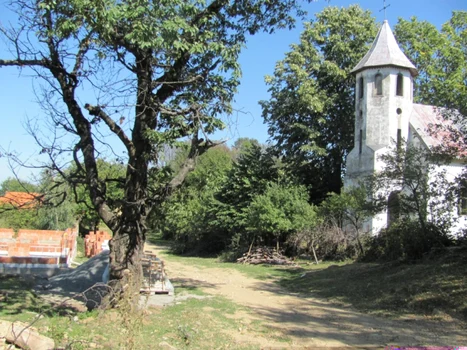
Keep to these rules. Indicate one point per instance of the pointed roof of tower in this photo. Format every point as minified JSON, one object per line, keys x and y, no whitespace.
{"x":385,"y":52}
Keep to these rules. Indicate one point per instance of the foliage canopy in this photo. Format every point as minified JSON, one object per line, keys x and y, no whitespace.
{"x":160,"y":72}
{"x":310,"y":112}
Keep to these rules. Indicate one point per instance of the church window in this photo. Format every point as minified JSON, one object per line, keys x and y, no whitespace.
{"x":463,"y":199}
{"x":399,"y":131}
{"x":379,"y":84}
{"x":399,"y":139}
{"x":360,"y":87}
{"x":400,"y":85}
{"x":360,"y":142}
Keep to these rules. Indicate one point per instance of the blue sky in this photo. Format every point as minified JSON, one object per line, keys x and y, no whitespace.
{"x":17,"y":99}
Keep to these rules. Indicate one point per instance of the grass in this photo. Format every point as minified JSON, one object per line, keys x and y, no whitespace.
{"x":80,"y":256}
{"x":18,"y":302}
{"x":194,"y":323}
{"x":435,"y":286}
{"x":198,"y":324}
{"x":261,"y":272}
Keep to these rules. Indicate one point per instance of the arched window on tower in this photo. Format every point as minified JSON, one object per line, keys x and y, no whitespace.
{"x":360,"y":87}
{"x":400,"y":85}
{"x":360,"y":142}
{"x":379,"y":84}
{"x":360,"y":137}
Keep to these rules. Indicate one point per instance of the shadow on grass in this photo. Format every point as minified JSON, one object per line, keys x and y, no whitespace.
{"x":433,"y":286}
{"x":191,"y":283}
{"x":317,"y":319}
{"x":17,"y":297}
{"x":157,"y":240}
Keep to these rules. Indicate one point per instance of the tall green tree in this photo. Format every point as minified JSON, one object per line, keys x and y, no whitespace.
{"x":440,"y":57}
{"x":161,"y":71}
{"x":189,"y":216}
{"x":249,"y":177}
{"x":310,"y":113}
{"x":243,"y":145}
{"x":255,"y":169}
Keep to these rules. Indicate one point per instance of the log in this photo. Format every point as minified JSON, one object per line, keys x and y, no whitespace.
{"x":24,"y":337}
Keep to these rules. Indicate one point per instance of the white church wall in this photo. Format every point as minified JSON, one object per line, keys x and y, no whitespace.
{"x":450,"y":173}
{"x":377,"y":115}
{"x":377,"y":118}
{"x":359,"y":165}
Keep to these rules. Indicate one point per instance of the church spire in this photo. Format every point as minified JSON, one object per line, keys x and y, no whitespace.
{"x":385,"y":52}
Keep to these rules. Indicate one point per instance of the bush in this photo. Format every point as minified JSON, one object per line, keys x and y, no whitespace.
{"x":406,"y":240}
{"x":280,"y":212}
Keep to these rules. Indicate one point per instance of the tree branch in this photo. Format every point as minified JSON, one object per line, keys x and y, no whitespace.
{"x":22,"y":63}
{"x":117,"y":130}
{"x":198,"y":147}
{"x":83,"y":49}
{"x":174,"y":73}
{"x":192,"y":80}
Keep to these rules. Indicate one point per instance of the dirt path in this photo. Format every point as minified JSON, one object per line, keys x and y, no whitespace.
{"x":308,"y":322}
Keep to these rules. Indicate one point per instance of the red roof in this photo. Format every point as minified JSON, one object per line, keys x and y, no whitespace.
{"x":22,"y":199}
{"x":435,"y":130}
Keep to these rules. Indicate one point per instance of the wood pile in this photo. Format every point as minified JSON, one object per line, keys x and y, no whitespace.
{"x":154,"y":278}
{"x":265,"y":255}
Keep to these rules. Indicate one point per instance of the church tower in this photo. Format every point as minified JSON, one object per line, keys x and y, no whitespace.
{"x":383,"y":105}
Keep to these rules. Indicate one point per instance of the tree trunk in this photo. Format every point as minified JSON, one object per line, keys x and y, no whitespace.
{"x":360,"y":246}
{"x":126,"y":275}
{"x":251,"y":246}
{"x":314,"y":252}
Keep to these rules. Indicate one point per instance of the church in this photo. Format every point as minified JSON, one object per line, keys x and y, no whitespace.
{"x":385,"y":114}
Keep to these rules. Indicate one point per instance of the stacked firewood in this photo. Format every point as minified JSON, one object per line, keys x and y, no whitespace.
{"x":265,"y":255}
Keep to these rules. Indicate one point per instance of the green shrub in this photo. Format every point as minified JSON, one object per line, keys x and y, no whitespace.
{"x":280,"y":212}
{"x":406,"y":240}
